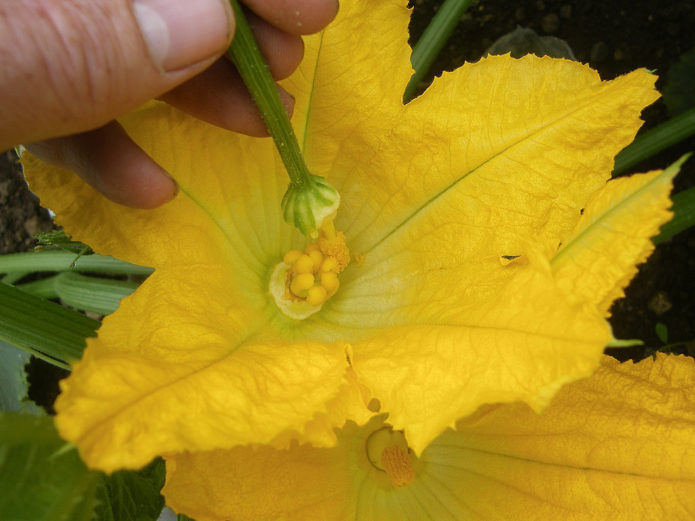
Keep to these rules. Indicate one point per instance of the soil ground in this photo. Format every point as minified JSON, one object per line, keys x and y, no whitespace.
{"x":614,"y":37}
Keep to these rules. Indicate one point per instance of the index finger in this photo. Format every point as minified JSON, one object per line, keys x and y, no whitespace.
{"x":295,"y":16}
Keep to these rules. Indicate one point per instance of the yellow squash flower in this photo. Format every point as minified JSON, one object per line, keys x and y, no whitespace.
{"x":451,"y":208}
{"x":617,"y":446}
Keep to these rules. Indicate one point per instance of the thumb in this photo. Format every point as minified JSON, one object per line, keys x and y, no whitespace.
{"x":67,"y":66}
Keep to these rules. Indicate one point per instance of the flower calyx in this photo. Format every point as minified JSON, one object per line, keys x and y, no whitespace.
{"x":309,"y":204}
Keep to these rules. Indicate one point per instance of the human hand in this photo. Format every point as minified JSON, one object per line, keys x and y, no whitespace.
{"x":69,"y":67}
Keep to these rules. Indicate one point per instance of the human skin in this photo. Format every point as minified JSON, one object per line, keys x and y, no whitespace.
{"x":68,"y":68}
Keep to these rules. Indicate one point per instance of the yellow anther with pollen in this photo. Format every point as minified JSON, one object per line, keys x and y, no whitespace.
{"x":291,"y":257}
{"x":316,"y":295}
{"x":301,"y":283}
{"x":387,"y":450}
{"x":329,"y":264}
{"x":397,"y":465}
{"x":304,"y":264}
{"x":330,"y":282}
{"x":317,"y":257}
{"x":304,"y":280}
{"x":335,"y":248}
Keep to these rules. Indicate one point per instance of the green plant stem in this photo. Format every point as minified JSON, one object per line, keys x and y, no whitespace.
{"x":13,"y":277}
{"x":84,"y":293}
{"x":655,"y":140}
{"x":432,"y":40}
{"x":53,"y":260}
{"x":683,"y":216}
{"x":256,"y":75}
{"x":94,"y":294}
{"x":44,"y":288}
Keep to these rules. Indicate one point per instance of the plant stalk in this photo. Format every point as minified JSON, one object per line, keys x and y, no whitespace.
{"x":256,"y":75}
{"x":432,"y":40}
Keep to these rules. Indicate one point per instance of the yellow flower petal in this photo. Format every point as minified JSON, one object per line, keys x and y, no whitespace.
{"x":619,"y":445}
{"x":179,"y":369}
{"x":445,"y":202}
{"x":227,"y":205}
{"x":522,"y":345}
{"x":495,"y":151}
{"x":352,"y":401}
{"x":613,"y":236}
{"x":349,"y":86}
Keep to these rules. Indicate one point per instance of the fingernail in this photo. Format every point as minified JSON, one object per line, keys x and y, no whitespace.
{"x":179,"y":33}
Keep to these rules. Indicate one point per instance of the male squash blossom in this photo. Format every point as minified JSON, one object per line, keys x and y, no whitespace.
{"x":451,"y":208}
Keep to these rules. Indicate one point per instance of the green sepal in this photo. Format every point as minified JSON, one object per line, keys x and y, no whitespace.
{"x":307,"y":205}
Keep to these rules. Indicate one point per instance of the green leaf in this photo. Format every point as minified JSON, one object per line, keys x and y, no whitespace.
{"x":13,"y":382}
{"x":43,"y":479}
{"x":662,"y":332}
{"x":45,"y":329}
{"x":683,"y":216}
{"x":58,"y":239}
{"x":39,"y":479}
{"x":183,"y":517}
{"x":655,"y":140}
{"x":132,"y":496}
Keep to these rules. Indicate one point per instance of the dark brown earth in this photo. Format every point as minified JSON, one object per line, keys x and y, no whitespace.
{"x":614,"y":37}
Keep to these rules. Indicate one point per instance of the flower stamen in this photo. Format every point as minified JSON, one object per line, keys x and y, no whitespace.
{"x":388,"y":451}
{"x":304,"y":280}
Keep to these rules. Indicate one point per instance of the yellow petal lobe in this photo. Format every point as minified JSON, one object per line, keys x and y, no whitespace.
{"x":197,"y":387}
{"x":613,"y":236}
{"x":523,"y":344}
{"x":619,"y":445}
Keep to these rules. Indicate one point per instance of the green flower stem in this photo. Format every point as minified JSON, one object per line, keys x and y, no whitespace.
{"x":655,"y":140}
{"x":256,"y":75}
{"x":309,"y":200}
{"x":432,"y":41}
